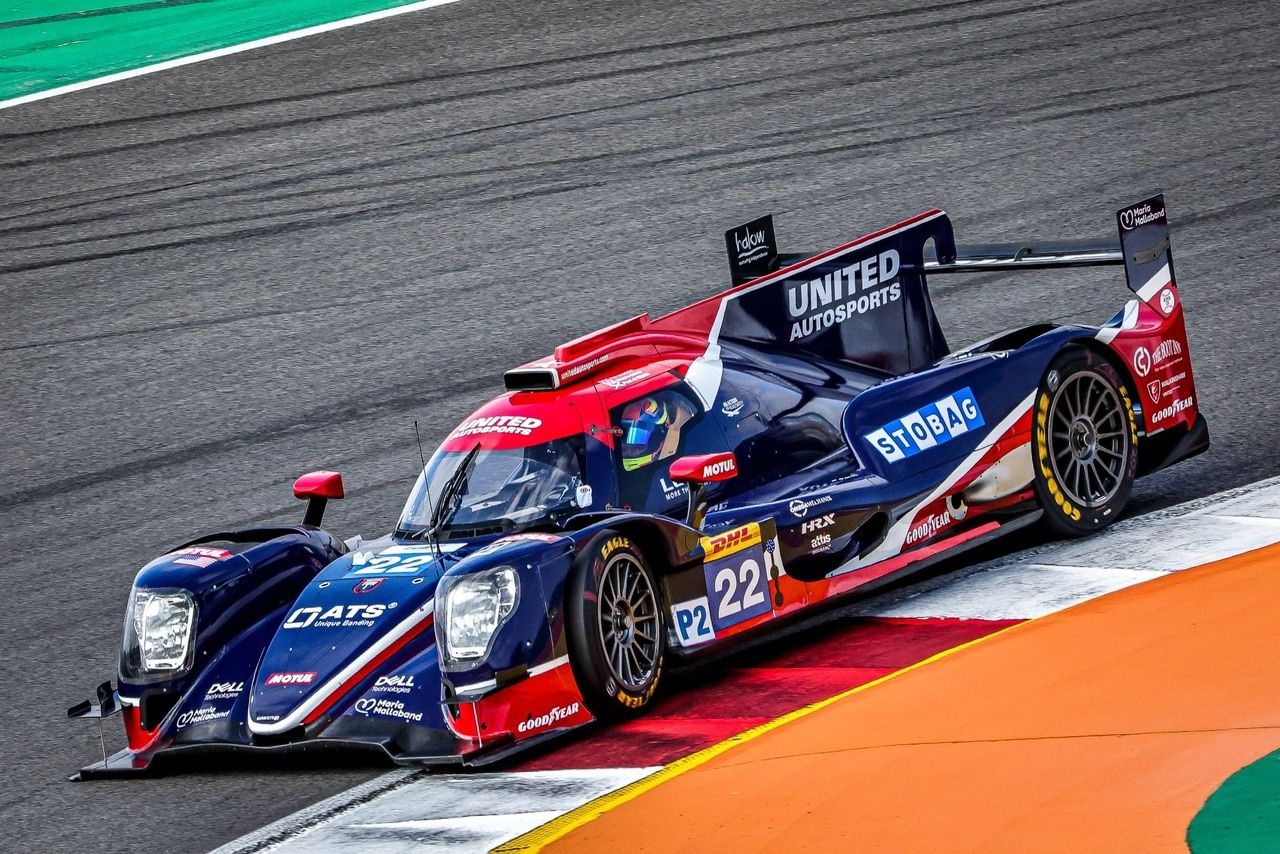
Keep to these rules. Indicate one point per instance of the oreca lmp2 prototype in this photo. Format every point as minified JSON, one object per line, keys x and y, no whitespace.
{"x":658,"y":489}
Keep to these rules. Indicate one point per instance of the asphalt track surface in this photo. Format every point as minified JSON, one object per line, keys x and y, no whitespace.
{"x":217,"y":278}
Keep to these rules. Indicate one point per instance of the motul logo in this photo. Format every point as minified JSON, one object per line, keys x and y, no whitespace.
{"x":718,"y":468}
{"x":276,"y":679}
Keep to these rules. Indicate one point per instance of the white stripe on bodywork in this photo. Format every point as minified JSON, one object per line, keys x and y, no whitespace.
{"x":1155,"y":284}
{"x":897,"y":536}
{"x":490,"y":684}
{"x":1107,"y":334}
{"x":309,"y":705}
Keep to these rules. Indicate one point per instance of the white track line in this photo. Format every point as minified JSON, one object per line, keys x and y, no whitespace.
{"x":225,"y":51}
{"x":458,"y":813}
{"x":475,"y":812}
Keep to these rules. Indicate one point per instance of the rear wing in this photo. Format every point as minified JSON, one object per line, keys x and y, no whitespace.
{"x":1142,"y":248}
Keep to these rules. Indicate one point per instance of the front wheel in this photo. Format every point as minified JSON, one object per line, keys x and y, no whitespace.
{"x":1085,"y":443}
{"x":616,"y":629}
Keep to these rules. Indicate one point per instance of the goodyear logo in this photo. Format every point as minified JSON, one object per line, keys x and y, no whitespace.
{"x":730,"y":541}
{"x":939,"y":422}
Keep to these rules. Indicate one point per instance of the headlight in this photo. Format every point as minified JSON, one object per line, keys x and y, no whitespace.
{"x":475,"y":607}
{"x":159,"y":630}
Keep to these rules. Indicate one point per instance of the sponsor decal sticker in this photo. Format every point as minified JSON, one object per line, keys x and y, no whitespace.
{"x":730,"y":541}
{"x":365,"y":585}
{"x":826,"y":520}
{"x":719,"y":467}
{"x":751,"y":246}
{"x":1142,"y":361}
{"x":1140,"y":214}
{"x":518,"y":425}
{"x":337,"y":616}
{"x":927,"y":427}
{"x":863,"y":286}
{"x":223,"y":691}
{"x":387,"y":709}
{"x":732,"y":406}
{"x":692,"y":621}
{"x":515,"y":539}
{"x":1167,"y":301}
{"x":1153,"y":389}
{"x":582,"y":496}
{"x":200,"y":557}
{"x":582,"y":369}
{"x":1173,"y":409}
{"x":1168,"y":349}
{"x":931,"y":525}
{"x":202,"y":715}
{"x":800,"y":506}
{"x":397,"y":684}
{"x":289,"y":678}
{"x":558,"y":713}
{"x":625,"y":378}
{"x":820,"y":543}
{"x":672,"y":491}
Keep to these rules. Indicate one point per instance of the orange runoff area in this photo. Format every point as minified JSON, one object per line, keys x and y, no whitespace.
{"x":1100,"y":728}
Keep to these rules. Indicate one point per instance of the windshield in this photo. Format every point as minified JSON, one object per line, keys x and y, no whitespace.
{"x":480,"y":491}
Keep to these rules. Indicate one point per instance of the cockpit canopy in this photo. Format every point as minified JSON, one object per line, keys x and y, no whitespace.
{"x":494,"y":490}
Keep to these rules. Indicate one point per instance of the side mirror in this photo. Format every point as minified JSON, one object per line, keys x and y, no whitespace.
{"x":318,"y":487}
{"x":698,"y":471}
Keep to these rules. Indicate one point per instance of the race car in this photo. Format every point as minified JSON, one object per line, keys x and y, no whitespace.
{"x":657,"y":490}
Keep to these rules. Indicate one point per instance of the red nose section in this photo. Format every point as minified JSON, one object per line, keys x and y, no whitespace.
{"x":704,"y":468}
{"x":318,"y":484}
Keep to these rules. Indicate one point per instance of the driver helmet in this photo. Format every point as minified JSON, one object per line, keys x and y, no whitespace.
{"x":645,"y":423}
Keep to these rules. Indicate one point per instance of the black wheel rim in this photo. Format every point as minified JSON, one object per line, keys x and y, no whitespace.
{"x":628,"y":622}
{"x":1088,"y":439}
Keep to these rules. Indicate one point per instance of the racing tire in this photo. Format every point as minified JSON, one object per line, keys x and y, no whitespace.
{"x":616,"y":629}
{"x":1084,"y":443}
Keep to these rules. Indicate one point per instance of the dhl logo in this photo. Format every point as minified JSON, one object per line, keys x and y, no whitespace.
{"x":730,"y":541}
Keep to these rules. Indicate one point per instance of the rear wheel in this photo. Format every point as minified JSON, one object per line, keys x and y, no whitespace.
{"x":617,"y":633}
{"x":1085,"y":443}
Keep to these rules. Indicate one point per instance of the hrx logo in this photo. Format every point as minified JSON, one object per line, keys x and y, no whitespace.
{"x":826,"y":520}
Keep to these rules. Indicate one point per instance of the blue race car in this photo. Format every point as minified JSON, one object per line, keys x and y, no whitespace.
{"x":657,"y":489}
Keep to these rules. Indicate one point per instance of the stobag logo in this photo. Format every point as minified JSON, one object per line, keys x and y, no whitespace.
{"x":344,"y":616}
{"x":927,"y":427}
{"x":295,"y":678}
{"x":865,"y":285}
{"x":559,"y":713}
